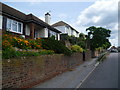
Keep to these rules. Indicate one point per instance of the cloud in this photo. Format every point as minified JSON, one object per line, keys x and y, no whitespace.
{"x":102,"y":13}
{"x":114,"y":41}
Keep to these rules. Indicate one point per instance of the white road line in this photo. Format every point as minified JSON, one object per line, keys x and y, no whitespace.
{"x":78,"y":86}
{"x":97,"y":64}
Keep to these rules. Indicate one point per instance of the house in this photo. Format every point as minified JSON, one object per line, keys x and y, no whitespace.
{"x":66,"y":28}
{"x":28,"y":26}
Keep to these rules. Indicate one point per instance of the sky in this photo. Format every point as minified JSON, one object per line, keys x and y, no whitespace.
{"x":80,"y":15}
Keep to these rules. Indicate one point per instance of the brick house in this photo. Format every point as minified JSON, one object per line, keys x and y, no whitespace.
{"x":28,"y":26}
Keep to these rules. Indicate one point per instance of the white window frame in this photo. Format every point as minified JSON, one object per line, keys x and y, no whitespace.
{"x":1,"y":20}
{"x":11,"y":28}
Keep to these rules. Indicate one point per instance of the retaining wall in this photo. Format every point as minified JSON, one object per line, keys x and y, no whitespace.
{"x":26,"y":72}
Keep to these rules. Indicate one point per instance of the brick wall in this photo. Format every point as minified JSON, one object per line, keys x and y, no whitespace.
{"x":26,"y":72}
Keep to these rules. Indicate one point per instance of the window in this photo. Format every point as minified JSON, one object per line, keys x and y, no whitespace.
{"x":14,"y":26}
{"x":8,"y":24}
{"x":1,"y":20}
{"x":19,"y":27}
{"x":52,"y":33}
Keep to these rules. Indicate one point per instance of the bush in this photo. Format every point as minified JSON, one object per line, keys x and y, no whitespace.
{"x":82,"y":44}
{"x":35,"y":44}
{"x":76,"y":48}
{"x":13,"y":41}
{"x":11,"y":53}
{"x":64,"y":37}
{"x":56,"y":46}
{"x":8,"y":53}
{"x":10,"y":41}
{"x":46,"y":52}
{"x":52,"y":46}
{"x":6,"y":44}
{"x":73,"y":40}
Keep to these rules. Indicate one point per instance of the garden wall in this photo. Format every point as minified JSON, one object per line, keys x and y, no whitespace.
{"x":26,"y":72}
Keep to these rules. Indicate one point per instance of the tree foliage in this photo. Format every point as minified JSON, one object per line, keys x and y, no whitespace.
{"x":98,"y":37}
{"x":82,"y":40}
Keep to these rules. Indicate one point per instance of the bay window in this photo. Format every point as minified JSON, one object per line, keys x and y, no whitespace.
{"x":14,"y":26}
{"x":19,"y":27}
{"x":9,"y":24}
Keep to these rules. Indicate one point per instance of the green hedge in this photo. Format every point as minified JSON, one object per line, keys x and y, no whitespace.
{"x":56,"y":46}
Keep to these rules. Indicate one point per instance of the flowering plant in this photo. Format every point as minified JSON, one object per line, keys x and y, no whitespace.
{"x":13,"y":41}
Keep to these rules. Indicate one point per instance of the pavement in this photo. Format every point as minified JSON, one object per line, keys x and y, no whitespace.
{"x":105,"y":75}
{"x":71,"y":79}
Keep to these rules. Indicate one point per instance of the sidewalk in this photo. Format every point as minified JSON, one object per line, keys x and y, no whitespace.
{"x":70,"y":79}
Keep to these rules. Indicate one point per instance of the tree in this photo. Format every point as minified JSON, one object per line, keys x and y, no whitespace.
{"x":98,"y":37}
{"x":73,"y":40}
{"x":82,"y":36}
{"x":82,"y":40}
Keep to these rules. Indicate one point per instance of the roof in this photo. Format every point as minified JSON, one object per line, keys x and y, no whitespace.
{"x":13,"y":13}
{"x":32,"y":18}
{"x":61,"y":23}
{"x":9,"y":11}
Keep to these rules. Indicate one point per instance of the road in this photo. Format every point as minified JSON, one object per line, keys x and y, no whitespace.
{"x":105,"y":75}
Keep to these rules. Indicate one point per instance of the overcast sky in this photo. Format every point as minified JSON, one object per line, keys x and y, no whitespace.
{"x":80,"y":15}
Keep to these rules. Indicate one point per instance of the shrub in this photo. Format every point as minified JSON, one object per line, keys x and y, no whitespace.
{"x":46,"y":52}
{"x":21,"y":42}
{"x":52,"y":46}
{"x":8,"y":53}
{"x":76,"y":48}
{"x":11,"y":53}
{"x":82,"y":44}
{"x":6,"y":44}
{"x":9,"y":41}
{"x":35,"y":44}
{"x":73,"y":40}
{"x":52,"y":37}
{"x":64,"y":37}
{"x":56,"y":46}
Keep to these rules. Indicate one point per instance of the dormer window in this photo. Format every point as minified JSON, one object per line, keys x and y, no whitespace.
{"x":14,"y":26}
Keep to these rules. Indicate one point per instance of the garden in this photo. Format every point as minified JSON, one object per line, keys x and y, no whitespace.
{"x":13,"y":46}
{"x":16,"y":46}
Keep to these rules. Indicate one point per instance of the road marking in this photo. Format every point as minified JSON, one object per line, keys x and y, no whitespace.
{"x":78,"y":86}
{"x":97,"y":64}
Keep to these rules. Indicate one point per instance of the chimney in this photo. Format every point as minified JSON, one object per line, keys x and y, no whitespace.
{"x":47,"y":18}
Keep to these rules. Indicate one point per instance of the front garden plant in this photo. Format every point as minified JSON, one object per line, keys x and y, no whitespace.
{"x":13,"y":46}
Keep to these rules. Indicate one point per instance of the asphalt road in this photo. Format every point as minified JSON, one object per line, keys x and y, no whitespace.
{"x":105,"y":75}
